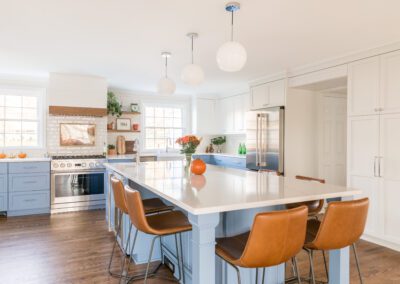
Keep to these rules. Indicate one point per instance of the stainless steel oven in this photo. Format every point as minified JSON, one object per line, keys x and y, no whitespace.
{"x":77,"y":184}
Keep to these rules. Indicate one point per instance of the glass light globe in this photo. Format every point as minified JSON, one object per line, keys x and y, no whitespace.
{"x":231,"y":56}
{"x":192,"y":74}
{"x":166,"y":86}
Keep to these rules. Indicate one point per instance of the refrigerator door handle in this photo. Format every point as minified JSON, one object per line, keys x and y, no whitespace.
{"x":257,"y":140}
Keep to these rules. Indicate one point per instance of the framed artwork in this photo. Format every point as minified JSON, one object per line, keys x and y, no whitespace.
{"x":75,"y":134}
{"x":123,"y":124}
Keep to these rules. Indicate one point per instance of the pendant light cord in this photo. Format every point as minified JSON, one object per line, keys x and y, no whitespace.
{"x":166,"y":67}
{"x":232,"y":26}
{"x":192,"y":49}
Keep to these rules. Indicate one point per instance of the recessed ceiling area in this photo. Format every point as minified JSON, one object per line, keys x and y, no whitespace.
{"x":122,"y":40}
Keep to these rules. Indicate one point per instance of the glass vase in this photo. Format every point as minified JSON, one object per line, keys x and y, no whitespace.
{"x":188,"y":160}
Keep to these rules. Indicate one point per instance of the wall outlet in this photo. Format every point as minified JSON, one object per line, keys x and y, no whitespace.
{"x":169,"y":264}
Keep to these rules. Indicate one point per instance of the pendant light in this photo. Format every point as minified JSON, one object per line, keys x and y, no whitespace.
{"x":231,"y":56}
{"x":192,"y":74}
{"x":166,"y":86}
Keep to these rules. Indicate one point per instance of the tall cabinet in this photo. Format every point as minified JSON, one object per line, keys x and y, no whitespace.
{"x":374,"y":142}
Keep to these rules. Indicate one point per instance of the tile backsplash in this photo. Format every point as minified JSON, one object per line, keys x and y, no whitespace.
{"x":53,"y":135}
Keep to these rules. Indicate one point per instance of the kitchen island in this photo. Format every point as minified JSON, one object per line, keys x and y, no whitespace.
{"x":236,"y":193}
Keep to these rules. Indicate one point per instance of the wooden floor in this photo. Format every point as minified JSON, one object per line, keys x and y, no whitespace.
{"x":75,"y":248}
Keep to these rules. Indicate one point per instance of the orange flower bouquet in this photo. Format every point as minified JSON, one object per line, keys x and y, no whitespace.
{"x":189,"y":143}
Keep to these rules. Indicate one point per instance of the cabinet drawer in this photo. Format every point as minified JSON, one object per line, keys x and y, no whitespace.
{"x":29,"y":200}
{"x":28,"y":167}
{"x":3,"y":201}
{"x":3,"y":184}
{"x":3,"y":168}
{"x":29,"y":182}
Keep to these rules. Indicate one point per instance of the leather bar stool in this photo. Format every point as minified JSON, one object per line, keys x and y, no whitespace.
{"x":151,"y":206}
{"x":159,"y":225}
{"x":275,"y":238}
{"x":342,"y":225}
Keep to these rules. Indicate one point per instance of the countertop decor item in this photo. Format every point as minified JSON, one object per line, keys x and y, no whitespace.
{"x":192,"y":74}
{"x":189,"y":144}
{"x":123,"y":124}
{"x":135,"y":127}
{"x":22,"y":155}
{"x":231,"y":56}
{"x":135,"y":108}
{"x":129,"y":146}
{"x":218,"y":141}
{"x":111,"y":150}
{"x":121,"y":145}
{"x":198,"y":167}
{"x":3,"y":156}
{"x":110,"y":125}
{"x":113,"y":106}
{"x":166,"y":86}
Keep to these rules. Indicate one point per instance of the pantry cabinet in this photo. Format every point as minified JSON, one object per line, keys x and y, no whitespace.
{"x":266,"y":95}
{"x":231,"y":113}
{"x":204,"y":116}
{"x":390,"y":83}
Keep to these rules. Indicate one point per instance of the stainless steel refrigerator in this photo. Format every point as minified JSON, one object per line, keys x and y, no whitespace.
{"x":265,"y":139}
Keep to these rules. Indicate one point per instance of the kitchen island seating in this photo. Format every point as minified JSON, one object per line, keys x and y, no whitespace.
{"x":342,"y":225}
{"x":151,"y":206}
{"x":158,"y":225}
{"x":274,"y":238}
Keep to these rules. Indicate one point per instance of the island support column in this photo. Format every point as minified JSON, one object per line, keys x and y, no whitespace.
{"x":339,"y":266}
{"x":203,"y":247}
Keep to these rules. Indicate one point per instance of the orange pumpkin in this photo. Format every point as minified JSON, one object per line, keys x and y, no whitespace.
{"x":198,"y":167}
{"x":2,"y":156}
{"x":22,"y":155}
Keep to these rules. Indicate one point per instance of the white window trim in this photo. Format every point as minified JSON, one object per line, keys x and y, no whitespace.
{"x":184,"y":106}
{"x":42,"y":98}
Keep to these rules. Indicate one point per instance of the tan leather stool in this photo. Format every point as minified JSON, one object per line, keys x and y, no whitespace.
{"x":151,"y":206}
{"x":342,"y":225}
{"x":274,"y":238}
{"x":160,"y":225}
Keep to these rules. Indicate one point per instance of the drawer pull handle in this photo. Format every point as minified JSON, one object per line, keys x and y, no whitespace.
{"x":29,"y":200}
{"x":30,"y":168}
{"x":30,"y":182}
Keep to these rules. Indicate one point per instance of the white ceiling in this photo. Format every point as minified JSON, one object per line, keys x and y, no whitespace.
{"x":122,"y":39}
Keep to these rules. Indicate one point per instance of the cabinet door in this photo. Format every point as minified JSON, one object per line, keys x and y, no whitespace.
{"x":363,"y":86}
{"x":390,"y":174}
{"x":277,"y":93}
{"x":259,"y":96}
{"x":227,"y":114}
{"x":205,"y":116}
{"x":239,"y":106}
{"x":390,"y":83}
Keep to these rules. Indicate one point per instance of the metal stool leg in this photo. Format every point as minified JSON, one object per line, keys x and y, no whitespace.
{"x":326,"y":267}
{"x":296,"y":269}
{"x":256,"y":275}
{"x":115,"y":243}
{"x":130,"y":253}
{"x":263,"y":276}
{"x":149,"y":259}
{"x":310,"y":256}
{"x":357,"y":263}
{"x":182,"y":263}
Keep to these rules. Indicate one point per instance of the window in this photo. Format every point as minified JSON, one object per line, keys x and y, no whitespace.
{"x":163,"y":125}
{"x":20,"y":117}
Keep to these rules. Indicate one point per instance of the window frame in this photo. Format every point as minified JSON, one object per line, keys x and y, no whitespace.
{"x":40,"y":94}
{"x":185,"y":123}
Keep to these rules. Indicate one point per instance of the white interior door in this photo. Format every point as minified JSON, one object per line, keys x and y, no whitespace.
{"x":390,"y":174}
{"x":332,"y":139}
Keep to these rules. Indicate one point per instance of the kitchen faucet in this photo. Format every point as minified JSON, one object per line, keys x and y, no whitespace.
{"x":168,"y":140}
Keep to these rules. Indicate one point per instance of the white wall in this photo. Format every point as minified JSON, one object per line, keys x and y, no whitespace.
{"x":301,"y":154}
{"x":77,"y":90}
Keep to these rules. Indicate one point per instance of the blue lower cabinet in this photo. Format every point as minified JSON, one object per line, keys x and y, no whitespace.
{"x":204,"y":158}
{"x":29,"y":201}
{"x":3,"y":202}
{"x":223,"y":161}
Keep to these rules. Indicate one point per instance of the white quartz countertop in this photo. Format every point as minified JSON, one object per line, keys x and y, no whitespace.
{"x":18,"y":160}
{"x":132,"y":156}
{"x":222,"y":189}
{"x":223,"y":154}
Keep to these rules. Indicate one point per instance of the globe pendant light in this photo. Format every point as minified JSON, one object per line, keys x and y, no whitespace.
{"x":192,"y":74}
{"x":166,"y":86}
{"x":231,"y":56}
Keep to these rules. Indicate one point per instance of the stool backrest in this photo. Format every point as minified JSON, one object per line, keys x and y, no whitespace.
{"x":343,"y":224}
{"x":275,"y":237}
{"x":136,"y":210}
{"x":119,"y":194}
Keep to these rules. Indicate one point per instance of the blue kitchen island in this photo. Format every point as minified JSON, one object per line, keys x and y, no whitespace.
{"x":233,"y":193}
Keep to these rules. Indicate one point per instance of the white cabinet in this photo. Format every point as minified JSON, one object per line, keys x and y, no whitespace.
{"x":363,"y":86}
{"x":374,"y":85}
{"x":204,"y":116}
{"x":268,"y":95}
{"x":390,"y":83}
{"x":231,"y":113}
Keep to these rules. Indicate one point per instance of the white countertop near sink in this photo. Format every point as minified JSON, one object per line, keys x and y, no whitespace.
{"x":222,"y":189}
{"x":25,"y":160}
{"x":132,"y":156}
{"x":223,"y":154}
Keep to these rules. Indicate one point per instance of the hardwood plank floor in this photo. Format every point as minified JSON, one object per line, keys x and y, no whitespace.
{"x":75,"y":248}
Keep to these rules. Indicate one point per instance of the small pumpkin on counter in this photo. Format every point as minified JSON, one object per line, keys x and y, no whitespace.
{"x":22,"y":155}
{"x":3,"y":156}
{"x":198,"y":167}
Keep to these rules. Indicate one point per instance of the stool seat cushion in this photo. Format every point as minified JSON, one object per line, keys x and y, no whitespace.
{"x":155,"y":205}
{"x":231,"y":248}
{"x":168,"y":223}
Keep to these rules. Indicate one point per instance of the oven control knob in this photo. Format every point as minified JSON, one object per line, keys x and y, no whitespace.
{"x":97,"y":164}
{"x":62,"y":165}
{"x":55,"y":165}
{"x":83,"y":164}
{"x":69,"y":165}
{"x":91,"y":165}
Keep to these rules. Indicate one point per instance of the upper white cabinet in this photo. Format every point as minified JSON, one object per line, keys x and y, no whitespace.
{"x":204,"y":116}
{"x":374,"y":85}
{"x":363,"y":87}
{"x":268,"y":95}
{"x":390,"y":83}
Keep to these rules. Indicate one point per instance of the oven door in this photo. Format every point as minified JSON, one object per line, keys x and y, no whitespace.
{"x":77,"y":186}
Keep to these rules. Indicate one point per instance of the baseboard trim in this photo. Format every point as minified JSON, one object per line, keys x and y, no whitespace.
{"x":381,"y":242}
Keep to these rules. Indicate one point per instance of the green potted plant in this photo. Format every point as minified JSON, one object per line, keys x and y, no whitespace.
{"x":113,"y":106}
{"x":111,"y":150}
{"x":218,"y":141}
